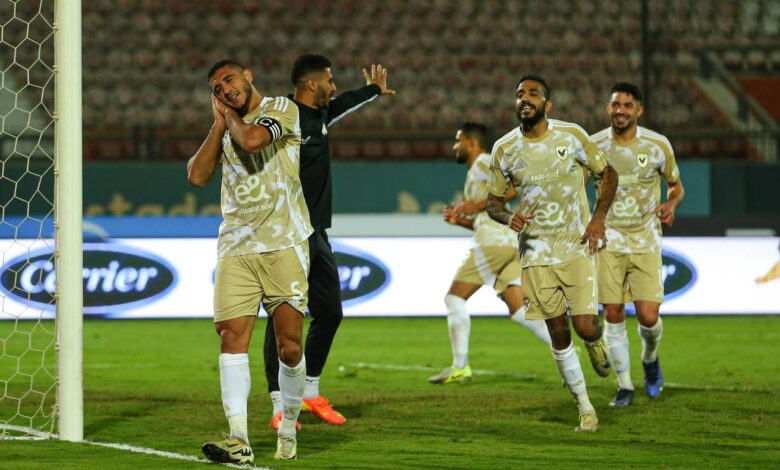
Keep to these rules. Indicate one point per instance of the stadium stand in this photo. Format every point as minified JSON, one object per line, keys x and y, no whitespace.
{"x":145,"y":60}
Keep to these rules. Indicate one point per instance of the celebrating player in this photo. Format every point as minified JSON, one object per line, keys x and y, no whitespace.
{"x":262,"y":248}
{"x":544,"y":160}
{"x":630,"y":267}
{"x":492,"y":261}
{"x":314,"y":94}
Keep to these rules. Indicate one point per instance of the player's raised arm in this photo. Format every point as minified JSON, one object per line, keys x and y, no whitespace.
{"x":202,"y":166}
{"x":378,"y":76}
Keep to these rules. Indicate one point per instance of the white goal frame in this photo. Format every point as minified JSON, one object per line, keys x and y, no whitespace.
{"x":68,"y":218}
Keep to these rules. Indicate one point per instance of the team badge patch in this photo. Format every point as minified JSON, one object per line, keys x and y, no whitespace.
{"x":561,"y":151}
{"x":641,"y":159}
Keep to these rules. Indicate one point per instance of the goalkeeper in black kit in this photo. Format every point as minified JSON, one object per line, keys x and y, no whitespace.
{"x":318,"y":109}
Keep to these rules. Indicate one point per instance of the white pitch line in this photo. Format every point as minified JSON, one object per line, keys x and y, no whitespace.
{"x":419,"y":368}
{"x":34,"y":434}
{"x":365,"y":365}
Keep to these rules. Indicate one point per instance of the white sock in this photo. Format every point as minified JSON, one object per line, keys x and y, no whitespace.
{"x":291,"y":381}
{"x":236,"y":382}
{"x":617,"y":342}
{"x":569,"y":367}
{"x":276,"y":400}
{"x":651,"y":338}
{"x":537,"y":327}
{"x":459,"y":324}
{"x":311,"y":387}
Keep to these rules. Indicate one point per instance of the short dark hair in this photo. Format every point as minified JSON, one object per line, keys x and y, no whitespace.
{"x":536,"y":78}
{"x":222,"y":63}
{"x":477,"y":131}
{"x":306,"y":64}
{"x":629,"y":88}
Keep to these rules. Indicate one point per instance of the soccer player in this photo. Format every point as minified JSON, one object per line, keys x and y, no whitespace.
{"x":545,"y":160}
{"x":262,"y":249}
{"x":314,"y":94}
{"x":630,"y":266}
{"x":492,"y":261}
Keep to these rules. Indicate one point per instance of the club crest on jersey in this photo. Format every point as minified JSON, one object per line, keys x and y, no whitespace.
{"x":561,"y":152}
{"x":641,"y":159}
{"x":324,"y":129}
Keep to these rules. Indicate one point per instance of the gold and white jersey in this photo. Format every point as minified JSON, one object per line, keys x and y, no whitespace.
{"x":632,"y":226}
{"x":548,"y":174}
{"x":487,"y":232}
{"x":262,"y":200}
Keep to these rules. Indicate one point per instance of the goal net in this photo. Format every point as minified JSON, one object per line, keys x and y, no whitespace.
{"x":37,"y":167}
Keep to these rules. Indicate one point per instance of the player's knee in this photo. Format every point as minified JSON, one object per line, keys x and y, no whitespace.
{"x":587,"y":327}
{"x":290,"y":353}
{"x":233,"y":341}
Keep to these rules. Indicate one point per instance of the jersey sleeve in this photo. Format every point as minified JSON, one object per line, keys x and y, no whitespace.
{"x":588,"y":154}
{"x":350,"y":101}
{"x":280,"y":119}
{"x":594,"y":159}
{"x":496,"y":178}
{"x":669,"y":168}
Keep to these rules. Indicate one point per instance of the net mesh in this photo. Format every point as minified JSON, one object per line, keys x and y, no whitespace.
{"x":27,"y":331}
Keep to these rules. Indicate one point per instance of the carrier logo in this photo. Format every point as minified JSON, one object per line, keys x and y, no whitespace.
{"x":115,"y":278}
{"x":361,"y":275}
{"x":678,"y":273}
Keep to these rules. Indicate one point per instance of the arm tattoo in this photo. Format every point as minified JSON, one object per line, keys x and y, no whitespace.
{"x":608,"y":188}
{"x":496,"y":209}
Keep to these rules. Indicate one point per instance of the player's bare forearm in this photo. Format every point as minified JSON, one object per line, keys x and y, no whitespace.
{"x":496,"y":209}
{"x":202,"y":166}
{"x":608,"y":187}
{"x":675,"y":193}
{"x":249,"y":137}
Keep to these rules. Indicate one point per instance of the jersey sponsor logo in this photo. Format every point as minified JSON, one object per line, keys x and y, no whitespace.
{"x":627,"y":207}
{"x":642,"y":159}
{"x":115,"y":278}
{"x":361,"y":276}
{"x":305,"y":141}
{"x":251,"y":191}
{"x":544,"y":177}
{"x":628,"y":180}
{"x":677,"y":272}
{"x":549,"y":216}
{"x":561,"y":151}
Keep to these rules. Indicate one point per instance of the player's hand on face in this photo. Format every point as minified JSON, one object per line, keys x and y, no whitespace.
{"x":595,"y":235}
{"x":378,"y":76}
{"x":218,"y":108}
{"x":665,"y":213}
{"x":519,"y":221}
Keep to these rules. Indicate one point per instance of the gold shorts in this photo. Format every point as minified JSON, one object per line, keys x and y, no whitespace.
{"x":495,"y":266}
{"x":625,"y":277}
{"x":552,"y":290}
{"x":273,"y":278}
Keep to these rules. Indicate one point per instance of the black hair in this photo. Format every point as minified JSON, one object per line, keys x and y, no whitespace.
{"x":306,"y":64}
{"x":477,"y":131}
{"x":223,"y":63}
{"x":629,"y":88}
{"x":536,"y":78}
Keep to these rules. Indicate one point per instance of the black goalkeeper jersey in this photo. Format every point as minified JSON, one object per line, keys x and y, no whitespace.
{"x":315,"y":154}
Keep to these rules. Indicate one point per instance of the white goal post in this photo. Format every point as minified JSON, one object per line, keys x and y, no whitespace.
{"x":68,"y":208}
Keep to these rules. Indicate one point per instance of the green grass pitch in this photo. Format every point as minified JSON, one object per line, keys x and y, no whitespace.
{"x":155,"y":384}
